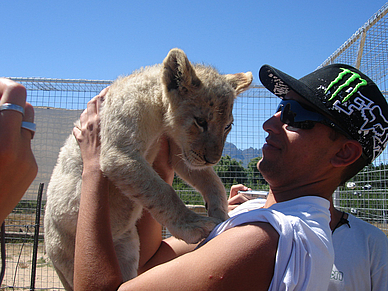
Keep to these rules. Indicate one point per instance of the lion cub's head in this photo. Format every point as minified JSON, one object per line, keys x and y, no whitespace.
{"x":200,"y":107}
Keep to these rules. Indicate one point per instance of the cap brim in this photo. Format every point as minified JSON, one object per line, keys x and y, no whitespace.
{"x":280,"y":83}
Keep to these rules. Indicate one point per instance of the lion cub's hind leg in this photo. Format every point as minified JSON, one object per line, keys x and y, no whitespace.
{"x":127,"y":251}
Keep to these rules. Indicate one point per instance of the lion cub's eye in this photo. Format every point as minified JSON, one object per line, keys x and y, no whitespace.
{"x":201,"y":122}
{"x":229,"y":127}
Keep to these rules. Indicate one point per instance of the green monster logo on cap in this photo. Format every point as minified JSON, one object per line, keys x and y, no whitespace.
{"x":354,"y":77}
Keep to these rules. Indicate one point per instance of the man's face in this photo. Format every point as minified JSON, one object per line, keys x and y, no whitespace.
{"x":293,"y":156}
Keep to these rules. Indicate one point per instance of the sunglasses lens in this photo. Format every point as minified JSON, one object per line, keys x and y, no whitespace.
{"x":298,"y":115}
{"x":293,"y":114}
{"x":287,"y":115}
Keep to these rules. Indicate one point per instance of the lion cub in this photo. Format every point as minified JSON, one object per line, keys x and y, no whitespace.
{"x":192,"y":106}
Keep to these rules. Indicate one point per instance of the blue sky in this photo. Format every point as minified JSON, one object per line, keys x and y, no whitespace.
{"x":105,"y":39}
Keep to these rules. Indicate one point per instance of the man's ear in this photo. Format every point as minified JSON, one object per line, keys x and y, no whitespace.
{"x":350,"y":151}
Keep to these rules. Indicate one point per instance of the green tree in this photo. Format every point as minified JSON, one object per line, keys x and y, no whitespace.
{"x":230,"y":171}
{"x":186,"y":193}
{"x":255,"y":178}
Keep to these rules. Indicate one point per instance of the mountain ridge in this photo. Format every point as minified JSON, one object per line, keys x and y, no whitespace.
{"x":245,"y":156}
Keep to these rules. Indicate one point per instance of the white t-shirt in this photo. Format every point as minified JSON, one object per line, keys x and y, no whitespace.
{"x":248,"y":206}
{"x":361,"y":257}
{"x":305,"y":253}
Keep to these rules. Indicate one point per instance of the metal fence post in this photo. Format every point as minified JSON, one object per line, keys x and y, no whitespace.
{"x":36,"y":236}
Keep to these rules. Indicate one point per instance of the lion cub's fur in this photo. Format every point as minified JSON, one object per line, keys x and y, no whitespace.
{"x":192,"y":106}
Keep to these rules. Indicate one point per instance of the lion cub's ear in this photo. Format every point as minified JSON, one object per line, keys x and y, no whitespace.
{"x":240,"y":81}
{"x":178,"y":73}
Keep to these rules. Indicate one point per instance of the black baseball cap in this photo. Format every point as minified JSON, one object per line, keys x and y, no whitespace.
{"x":345,"y":95}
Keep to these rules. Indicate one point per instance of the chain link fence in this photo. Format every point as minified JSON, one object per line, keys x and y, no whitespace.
{"x":367,"y":50}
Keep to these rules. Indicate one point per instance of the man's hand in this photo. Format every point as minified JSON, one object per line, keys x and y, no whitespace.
{"x":87,"y":132}
{"x":18,"y":167}
{"x":235,"y":198}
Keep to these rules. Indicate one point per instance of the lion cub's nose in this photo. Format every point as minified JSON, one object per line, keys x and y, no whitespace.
{"x":209,"y":159}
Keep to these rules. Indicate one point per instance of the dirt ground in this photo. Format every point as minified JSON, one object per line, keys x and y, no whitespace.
{"x":19,"y":227}
{"x":19,"y":268}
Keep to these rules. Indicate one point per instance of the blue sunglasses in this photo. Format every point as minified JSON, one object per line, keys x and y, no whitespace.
{"x":302,"y":116}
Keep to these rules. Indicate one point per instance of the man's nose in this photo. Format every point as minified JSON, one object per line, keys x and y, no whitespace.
{"x":273,"y":123}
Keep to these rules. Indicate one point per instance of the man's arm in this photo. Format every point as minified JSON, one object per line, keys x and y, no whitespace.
{"x":95,"y":265}
{"x":241,"y":258}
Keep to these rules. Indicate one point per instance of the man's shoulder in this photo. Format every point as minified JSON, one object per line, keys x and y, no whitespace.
{"x":366,"y":227}
{"x":238,"y":251}
{"x":252,"y":230}
{"x":252,"y":237}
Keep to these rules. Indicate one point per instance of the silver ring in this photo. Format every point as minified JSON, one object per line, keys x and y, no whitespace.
{"x":29,"y":126}
{"x":13,"y":107}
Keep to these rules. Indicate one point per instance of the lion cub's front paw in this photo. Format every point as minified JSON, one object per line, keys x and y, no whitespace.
{"x":193,"y":228}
